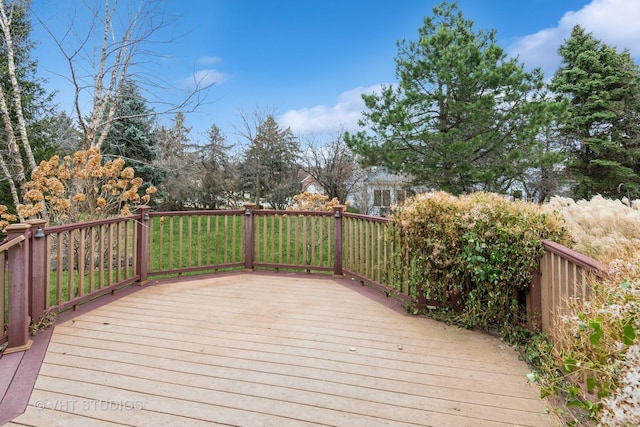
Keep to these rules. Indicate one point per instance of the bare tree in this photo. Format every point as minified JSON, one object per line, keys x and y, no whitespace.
{"x":99,"y":72}
{"x":362,"y":197}
{"x":333,"y":166}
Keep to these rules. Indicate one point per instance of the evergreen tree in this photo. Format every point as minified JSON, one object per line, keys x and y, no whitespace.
{"x":270,"y":168}
{"x":64,"y":135}
{"x":217,"y":181}
{"x":179,"y":163}
{"x":132,"y":137}
{"x":463,"y":117}
{"x":602,"y":87}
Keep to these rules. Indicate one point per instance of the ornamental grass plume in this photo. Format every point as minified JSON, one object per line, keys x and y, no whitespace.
{"x":603,"y":229}
{"x":597,"y":338}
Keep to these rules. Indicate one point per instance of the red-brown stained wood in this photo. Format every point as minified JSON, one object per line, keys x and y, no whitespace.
{"x":3,"y":286}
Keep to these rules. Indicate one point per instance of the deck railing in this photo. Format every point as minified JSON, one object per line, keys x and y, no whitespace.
{"x":50,"y":269}
{"x":14,"y":293}
{"x":565,"y":275}
{"x":194,"y":241}
{"x":86,"y":259}
{"x":374,"y":254}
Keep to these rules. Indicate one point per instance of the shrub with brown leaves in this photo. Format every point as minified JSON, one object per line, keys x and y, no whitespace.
{"x":82,"y":187}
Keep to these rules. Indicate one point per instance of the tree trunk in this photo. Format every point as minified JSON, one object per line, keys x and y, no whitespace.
{"x":18,"y":177}
{"x":5,"y":25}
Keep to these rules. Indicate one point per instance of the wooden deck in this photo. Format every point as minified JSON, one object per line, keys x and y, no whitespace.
{"x":252,"y":349}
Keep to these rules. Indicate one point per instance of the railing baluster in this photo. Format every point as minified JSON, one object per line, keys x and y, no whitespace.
{"x":272,"y":240}
{"x":280,"y":234}
{"x":190,"y":241}
{"x":288,"y":241}
{"x":151,"y":229}
{"x":298,"y":258}
{"x":101,"y":258}
{"x":81,"y":241}
{"x":217,"y":241}
{"x":234,"y":236}
{"x":171,"y":249}
{"x":59,"y":248}
{"x":180,"y":253}
{"x":119,"y":261}
{"x":110,"y":254}
{"x":200,"y":237}
{"x":265,"y":235}
{"x":226,"y":239}
{"x":312,"y":240}
{"x":161,"y":229}
{"x":132,"y":249}
{"x":304,"y":240}
{"x":368,"y":248}
{"x":91,"y":258}
{"x":47,"y":273}
{"x":70,"y":265}
{"x":209,"y":238}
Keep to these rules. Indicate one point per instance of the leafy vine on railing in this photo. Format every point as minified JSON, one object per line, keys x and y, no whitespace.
{"x":475,"y":254}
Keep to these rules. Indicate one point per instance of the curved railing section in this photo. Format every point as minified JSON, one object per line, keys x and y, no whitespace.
{"x":50,"y":269}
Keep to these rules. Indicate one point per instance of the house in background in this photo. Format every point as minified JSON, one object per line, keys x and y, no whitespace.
{"x":310,"y":185}
{"x":374,"y":190}
{"x":379,"y":190}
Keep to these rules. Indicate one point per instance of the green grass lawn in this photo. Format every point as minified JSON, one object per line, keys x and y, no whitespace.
{"x":220,"y":240}
{"x":178,"y":242}
{"x":294,"y":240}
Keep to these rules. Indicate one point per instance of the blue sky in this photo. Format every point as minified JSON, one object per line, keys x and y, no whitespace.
{"x":308,"y":61}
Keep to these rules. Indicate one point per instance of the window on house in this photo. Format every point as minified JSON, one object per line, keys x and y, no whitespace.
{"x":382,"y":198}
{"x":401,"y":196}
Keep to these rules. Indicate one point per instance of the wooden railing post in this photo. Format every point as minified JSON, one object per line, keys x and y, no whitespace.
{"x":249,"y":236}
{"x":142,"y":242}
{"x":19,"y":320}
{"x":337,"y":240}
{"x":37,"y":257}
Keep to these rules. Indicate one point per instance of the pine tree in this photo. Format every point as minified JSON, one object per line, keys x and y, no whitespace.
{"x":217,"y":180}
{"x":463,"y":117}
{"x":602,"y":87}
{"x":270,"y":168}
{"x":179,"y":163}
{"x":132,"y":137}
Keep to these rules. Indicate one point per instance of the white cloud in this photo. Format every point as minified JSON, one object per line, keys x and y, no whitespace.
{"x":344,"y":115}
{"x":209,"y":60}
{"x":612,"y":21}
{"x":203,"y":78}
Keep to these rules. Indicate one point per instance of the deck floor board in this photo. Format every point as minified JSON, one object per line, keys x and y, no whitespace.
{"x":263,"y":349}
